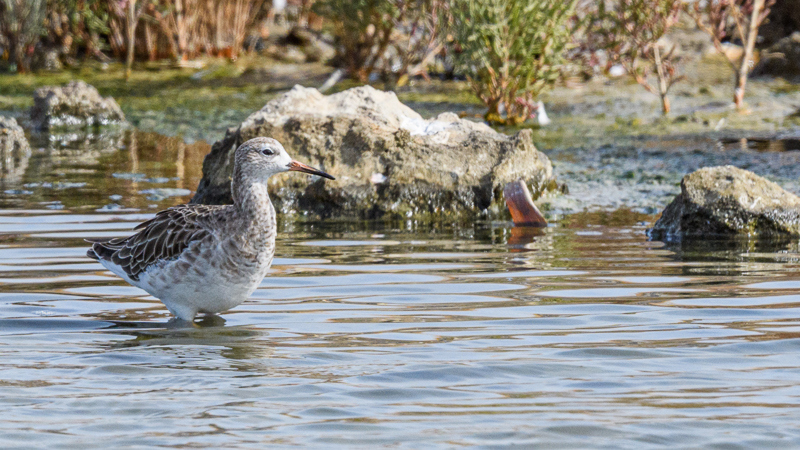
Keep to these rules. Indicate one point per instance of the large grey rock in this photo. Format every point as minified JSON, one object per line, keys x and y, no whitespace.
{"x":781,"y":59}
{"x":14,"y":150}
{"x":728,"y":201}
{"x":388,"y":160}
{"x":75,"y":105}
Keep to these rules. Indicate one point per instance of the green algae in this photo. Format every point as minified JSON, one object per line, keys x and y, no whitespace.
{"x":196,"y":103}
{"x":201,"y":103}
{"x":603,"y":117}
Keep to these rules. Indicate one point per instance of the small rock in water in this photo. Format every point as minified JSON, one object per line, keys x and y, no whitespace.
{"x":115,"y":197}
{"x":75,"y":105}
{"x":12,"y":136}
{"x":728,"y":201}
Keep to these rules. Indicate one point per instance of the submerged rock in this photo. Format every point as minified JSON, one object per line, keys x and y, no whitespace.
{"x":75,"y":105}
{"x":728,"y":201}
{"x":388,"y":160}
{"x":14,"y":150}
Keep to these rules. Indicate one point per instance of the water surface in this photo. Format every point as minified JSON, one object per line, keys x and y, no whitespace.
{"x":388,"y":335}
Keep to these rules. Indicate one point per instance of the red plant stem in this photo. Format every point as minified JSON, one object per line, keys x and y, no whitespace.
{"x":747,"y":58}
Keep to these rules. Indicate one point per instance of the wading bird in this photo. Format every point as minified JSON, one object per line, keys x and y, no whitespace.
{"x":207,"y":258}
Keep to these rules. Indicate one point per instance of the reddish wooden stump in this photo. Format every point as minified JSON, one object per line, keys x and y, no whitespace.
{"x":519,"y":201}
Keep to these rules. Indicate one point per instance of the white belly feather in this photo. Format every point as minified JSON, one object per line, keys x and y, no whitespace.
{"x":187,"y":289}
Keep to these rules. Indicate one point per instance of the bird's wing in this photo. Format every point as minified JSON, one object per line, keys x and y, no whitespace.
{"x":163,"y":237}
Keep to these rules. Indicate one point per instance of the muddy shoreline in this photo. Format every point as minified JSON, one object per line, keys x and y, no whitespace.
{"x":608,"y":142}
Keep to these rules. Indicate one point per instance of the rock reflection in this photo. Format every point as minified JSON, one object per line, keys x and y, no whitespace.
{"x":101,"y":170}
{"x":13,"y":163}
{"x":734,"y":256}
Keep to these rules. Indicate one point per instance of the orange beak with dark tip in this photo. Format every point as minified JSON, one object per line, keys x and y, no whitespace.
{"x":297,"y":166}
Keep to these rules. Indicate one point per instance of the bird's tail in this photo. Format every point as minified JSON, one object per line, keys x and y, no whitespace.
{"x":98,"y":250}
{"x":91,"y":254}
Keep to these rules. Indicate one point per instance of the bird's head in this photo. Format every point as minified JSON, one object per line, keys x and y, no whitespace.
{"x":262,"y":157}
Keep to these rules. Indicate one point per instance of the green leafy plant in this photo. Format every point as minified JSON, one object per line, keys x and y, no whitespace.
{"x":630,"y":32}
{"x":733,"y":20}
{"x":21,"y":26}
{"x":77,"y":26}
{"x":510,"y":50}
{"x":393,"y":38}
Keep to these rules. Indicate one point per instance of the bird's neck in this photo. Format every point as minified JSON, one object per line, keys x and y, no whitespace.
{"x":251,"y":199}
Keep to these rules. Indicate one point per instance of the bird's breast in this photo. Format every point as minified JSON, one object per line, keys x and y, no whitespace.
{"x":248,"y":255}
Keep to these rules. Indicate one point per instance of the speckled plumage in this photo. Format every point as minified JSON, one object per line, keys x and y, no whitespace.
{"x":202,"y":258}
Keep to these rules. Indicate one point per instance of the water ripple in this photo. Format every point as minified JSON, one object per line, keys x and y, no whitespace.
{"x":580,"y":337}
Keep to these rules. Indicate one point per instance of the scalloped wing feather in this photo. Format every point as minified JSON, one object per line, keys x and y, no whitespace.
{"x":164,"y":237}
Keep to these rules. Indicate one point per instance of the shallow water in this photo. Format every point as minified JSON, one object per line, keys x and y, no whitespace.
{"x":583,"y":334}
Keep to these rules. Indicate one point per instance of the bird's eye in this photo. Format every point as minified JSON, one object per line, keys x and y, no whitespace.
{"x":267,"y":152}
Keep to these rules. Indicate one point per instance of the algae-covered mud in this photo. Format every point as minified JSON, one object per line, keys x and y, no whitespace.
{"x":644,"y":173}
{"x":198,"y":104}
{"x":609,"y":146}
